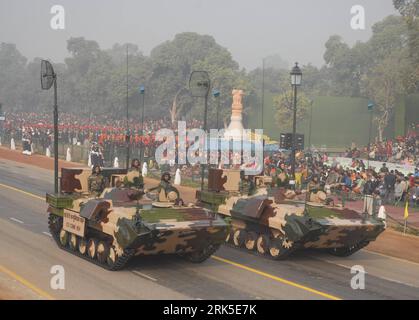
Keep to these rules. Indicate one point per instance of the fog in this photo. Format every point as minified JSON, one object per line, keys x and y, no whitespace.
{"x":296,"y":30}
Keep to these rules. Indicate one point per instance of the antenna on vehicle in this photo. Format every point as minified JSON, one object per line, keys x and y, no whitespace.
{"x":49,"y":78}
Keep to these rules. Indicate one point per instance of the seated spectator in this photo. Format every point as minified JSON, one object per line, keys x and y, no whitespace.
{"x":359,"y":187}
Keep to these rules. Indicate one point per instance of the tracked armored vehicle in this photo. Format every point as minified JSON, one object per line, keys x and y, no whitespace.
{"x":122,"y":223}
{"x":276,"y":222}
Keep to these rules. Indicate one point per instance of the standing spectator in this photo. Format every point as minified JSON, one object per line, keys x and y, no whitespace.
{"x":384,"y":169}
{"x":96,"y":156}
{"x":369,"y":189}
{"x":389,"y":183}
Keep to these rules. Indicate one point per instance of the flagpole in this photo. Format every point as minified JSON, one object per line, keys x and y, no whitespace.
{"x":406,"y":215}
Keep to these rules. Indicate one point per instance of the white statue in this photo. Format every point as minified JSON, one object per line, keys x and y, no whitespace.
{"x":178,"y":179}
{"x":235,"y":129}
{"x":68,"y":156}
{"x":116,"y":162}
{"x":144,"y":172}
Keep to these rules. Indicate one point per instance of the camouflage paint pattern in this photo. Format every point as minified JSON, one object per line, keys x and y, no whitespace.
{"x":128,"y":220}
{"x":307,"y":225}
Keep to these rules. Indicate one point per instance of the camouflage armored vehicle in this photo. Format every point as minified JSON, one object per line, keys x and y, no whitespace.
{"x":122,"y":222}
{"x":274,"y":222}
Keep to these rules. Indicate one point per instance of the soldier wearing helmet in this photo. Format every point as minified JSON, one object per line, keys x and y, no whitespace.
{"x":134,"y":178}
{"x":166,"y":191}
{"x":96,"y":181}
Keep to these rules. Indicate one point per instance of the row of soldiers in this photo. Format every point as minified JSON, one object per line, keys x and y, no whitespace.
{"x":133,"y":179}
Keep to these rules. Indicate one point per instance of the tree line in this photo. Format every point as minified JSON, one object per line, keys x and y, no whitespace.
{"x":92,"y":80}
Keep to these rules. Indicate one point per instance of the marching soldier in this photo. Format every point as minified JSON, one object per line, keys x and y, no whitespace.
{"x":96,"y":181}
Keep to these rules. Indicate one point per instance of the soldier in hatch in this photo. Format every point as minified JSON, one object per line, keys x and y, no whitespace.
{"x":96,"y":181}
{"x":281,"y":179}
{"x":134,"y":178}
{"x":315,"y":192}
{"x":166,"y":191}
{"x":246,"y":185}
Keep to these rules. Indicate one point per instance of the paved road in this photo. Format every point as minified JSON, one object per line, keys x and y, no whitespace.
{"x":28,"y":252}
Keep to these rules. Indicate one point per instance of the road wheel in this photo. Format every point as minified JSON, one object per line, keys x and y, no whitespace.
{"x":73,"y":242}
{"x":239,"y":237}
{"x":82,"y":246}
{"x":262,"y":244}
{"x":111,"y":258}
{"x":202,"y":255}
{"x":251,"y":239}
{"x":280,"y":248}
{"x":92,"y":248}
{"x":55,"y":224}
{"x":63,"y":237}
{"x":229,"y":235}
{"x":102,"y":251}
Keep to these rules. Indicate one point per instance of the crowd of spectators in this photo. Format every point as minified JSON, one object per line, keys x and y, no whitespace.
{"x":402,"y":150}
{"x":314,"y":172}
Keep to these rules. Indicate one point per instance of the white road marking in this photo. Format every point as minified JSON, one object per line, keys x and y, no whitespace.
{"x":47,"y":234}
{"x":390,"y":257}
{"x":374,"y":275}
{"x":144,"y":275}
{"x":16,"y":220}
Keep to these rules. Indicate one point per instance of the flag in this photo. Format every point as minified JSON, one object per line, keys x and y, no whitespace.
{"x":406,"y":211}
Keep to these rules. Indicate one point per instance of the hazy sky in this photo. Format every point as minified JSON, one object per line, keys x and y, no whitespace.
{"x":295,"y":29}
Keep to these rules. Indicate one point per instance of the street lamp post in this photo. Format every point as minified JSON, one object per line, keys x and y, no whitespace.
{"x":311,"y":120}
{"x":216,"y":94}
{"x":296,"y":77}
{"x":142,"y":93}
{"x":370,"y":109}
{"x":199,"y":85}
{"x":262,"y":109}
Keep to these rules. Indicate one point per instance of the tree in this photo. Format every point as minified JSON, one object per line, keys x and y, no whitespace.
{"x":12,"y":75}
{"x":409,"y":9}
{"x":275,"y":61}
{"x":173,"y":61}
{"x":139,"y":73}
{"x":284,"y":105}
{"x":384,"y":86}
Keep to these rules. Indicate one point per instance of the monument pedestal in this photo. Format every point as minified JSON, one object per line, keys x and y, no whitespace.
{"x":235,"y":128}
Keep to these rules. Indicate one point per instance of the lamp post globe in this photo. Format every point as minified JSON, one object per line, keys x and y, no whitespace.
{"x":296,"y":75}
